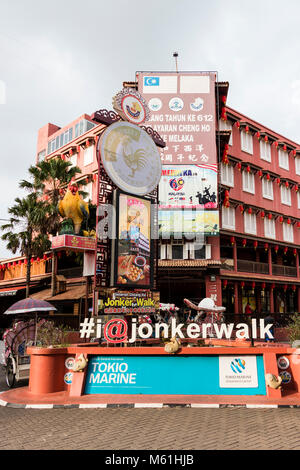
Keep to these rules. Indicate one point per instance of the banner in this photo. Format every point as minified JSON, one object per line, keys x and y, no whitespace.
{"x":188,"y":221}
{"x":183,"y":112}
{"x":188,"y":186}
{"x":133,"y":265}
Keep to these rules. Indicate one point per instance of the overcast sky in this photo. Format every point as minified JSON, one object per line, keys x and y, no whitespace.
{"x":61,"y":59}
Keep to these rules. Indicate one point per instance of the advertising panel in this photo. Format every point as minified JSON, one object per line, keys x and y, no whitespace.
{"x":183,"y":112}
{"x":188,"y":186}
{"x":199,"y":375}
{"x":238,"y":372}
{"x":188,"y":221}
{"x":132,"y":257}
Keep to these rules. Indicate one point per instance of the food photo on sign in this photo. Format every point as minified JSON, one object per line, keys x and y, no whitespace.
{"x":132,"y":264}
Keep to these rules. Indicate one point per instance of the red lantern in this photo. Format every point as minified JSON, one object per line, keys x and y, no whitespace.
{"x":223,"y":98}
{"x":273,"y":286}
{"x":260,"y":173}
{"x":242,"y":284}
{"x":296,"y":188}
{"x":223,"y":114}
{"x":71,"y":152}
{"x":45,"y":257}
{"x":8,"y":265}
{"x":32,"y":260}
{"x":298,"y":224}
{"x":270,"y":216}
{"x":225,"y":282}
{"x":266,"y":245}
{"x":248,"y":169}
{"x":276,"y":248}
{"x":289,"y":221}
{"x":275,"y":143}
{"x":295,"y":251}
{"x":266,"y":138}
{"x":244,"y":242}
{"x":19,"y":262}
{"x":268,"y":177}
{"x":250,"y":210}
{"x":239,"y":166}
{"x":262,"y":214}
{"x":285,"y":287}
{"x":287,"y":185}
{"x":278,"y":181}
{"x":241,"y":207}
{"x":78,"y":149}
{"x":263,"y":286}
{"x":238,"y":124}
{"x":253,"y":284}
{"x":284,"y":147}
{"x":285,"y":250}
{"x":95,"y":177}
{"x":294,"y":288}
{"x":25,"y":261}
{"x":294,"y":153}
{"x":87,"y":143}
{"x":14,"y":264}
{"x":232,"y":240}
{"x":255,"y":244}
{"x":247,"y":129}
{"x":281,"y":219}
{"x":63,"y":157}
{"x":258,"y":134}
{"x":86,"y":180}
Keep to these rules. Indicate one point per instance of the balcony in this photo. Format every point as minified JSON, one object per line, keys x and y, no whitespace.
{"x":259,"y":268}
{"x":252,"y":267}
{"x":279,"y":270}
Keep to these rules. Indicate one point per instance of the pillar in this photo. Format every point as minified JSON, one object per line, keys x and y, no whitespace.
{"x":235,"y":257}
{"x":270,"y":260}
{"x":236,"y":298}
{"x":272,"y":300}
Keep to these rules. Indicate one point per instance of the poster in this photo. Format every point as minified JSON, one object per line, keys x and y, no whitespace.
{"x":188,"y":186}
{"x":238,"y":372}
{"x":188,"y":221}
{"x":133,"y":243}
{"x":183,"y":112}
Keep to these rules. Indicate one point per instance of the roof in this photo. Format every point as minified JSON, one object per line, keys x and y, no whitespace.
{"x":187,"y":263}
{"x":72,"y":293}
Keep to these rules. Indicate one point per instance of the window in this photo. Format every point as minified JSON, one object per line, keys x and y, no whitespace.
{"x":265,"y":151}
{"x":226,"y":126}
{"x":297,"y":165}
{"x":88,"y":155}
{"x":73,"y":159}
{"x":227,"y":175}
{"x":228,"y":218}
{"x":88,"y":188}
{"x":285,"y":195}
{"x":248,"y":182}
{"x":250,"y":223}
{"x":41,"y":156}
{"x":267,"y":189}
{"x":246,"y":142}
{"x":288,"y":233}
{"x":283,"y":158}
{"x":269,"y":228}
{"x":196,"y":251}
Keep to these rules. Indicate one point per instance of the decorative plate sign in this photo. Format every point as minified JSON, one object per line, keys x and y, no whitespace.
{"x":68,"y":378}
{"x":286,"y":377}
{"x":130,"y":158}
{"x":283,"y":363}
{"x":131,"y":106}
{"x":69,"y":363}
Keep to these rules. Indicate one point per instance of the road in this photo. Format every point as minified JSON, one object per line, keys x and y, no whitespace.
{"x":176,"y":428}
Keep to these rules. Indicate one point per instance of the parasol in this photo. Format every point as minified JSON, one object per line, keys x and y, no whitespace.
{"x":30,"y":305}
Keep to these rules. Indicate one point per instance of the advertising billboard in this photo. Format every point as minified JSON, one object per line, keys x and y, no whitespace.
{"x":132,"y":254}
{"x":174,"y":222}
{"x":188,"y":186}
{"x":183,"y":112}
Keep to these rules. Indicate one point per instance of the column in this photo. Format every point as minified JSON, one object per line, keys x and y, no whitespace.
{"x":270,"y":260}
{"x":236,"y":298}
{"x":235,"y":257}
{"x":272,"y":301}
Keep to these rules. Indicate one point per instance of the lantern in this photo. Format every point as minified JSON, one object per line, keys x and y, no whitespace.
{"x":19,"y":262}
{"x":32,"y":260}
{"x":294,"y":153}
{"x":223,"y":98}
{"x":270,"y":216}
{"x":294,"y":288}
{"x":247,"y":129}
{"x":14,"y":264}
{"x":87,"y":180}
{"x":266,"y":245}
{"x":276,"y":248}
{"x":225,"y":282}
{"x":273,"y":286}
{"x":298,"y":224}
{"x":253,"y":284}
{"x":237,"y":124}
{"x":263,"y":286}
{"x":296,"y":188}
{"x":266,"y":138}
{"x":241,"y":207}
{"x":25,"y":261}
{"x":223,"y":114}
{"x":287,"y":184}
{"x":59,"y":254}
{"x":278,"y":181}
{"x":295,"y":251}
{"x":250,"y":210}
{"x":95,"y":177}
{"x":242,"y":284}
{"x":255,"y":244}
{"x":260,"y":173}
{"x":248,"y":169}
{"x":258,"y":134}
{"x":285,"y":250}
{"x":284,"y":147}
{"x":239,"y":166}
{"x":268,"y":177}
{"x":281,"y":219}
{"x":275,"y":143}
{"x":63,"y":157}
{"x":289,"y":221}
{"x":78,"y":149}
{"x":45,"y":257}
{"x":262,"y":214}
{"x":232,"y":240}
{"x":71,"y":152}
{"x":285,"y":287}
{"x":8,"y":265}
{"x":87,"y":143}
{"x":244,"y":242}
{"x":226,"y":147}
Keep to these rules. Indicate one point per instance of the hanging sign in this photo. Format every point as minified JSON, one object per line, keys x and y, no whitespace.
{"x":130,"y":158}
{"x":131,"y":106}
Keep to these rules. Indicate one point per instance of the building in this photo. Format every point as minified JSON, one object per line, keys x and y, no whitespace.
{"x":254,"y":263}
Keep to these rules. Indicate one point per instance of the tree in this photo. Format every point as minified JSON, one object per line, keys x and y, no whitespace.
{"x":48,"y":178}
{"x":26,"y":230}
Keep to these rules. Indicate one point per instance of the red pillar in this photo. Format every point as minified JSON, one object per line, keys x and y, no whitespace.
{"x":272,"y":300}
{"x":297,"y":267}
{"x":236,"y":298}
{"x":235,"y":256}
{"x":270,"y":260}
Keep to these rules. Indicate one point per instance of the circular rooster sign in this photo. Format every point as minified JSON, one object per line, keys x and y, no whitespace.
{"x":130,"y":158}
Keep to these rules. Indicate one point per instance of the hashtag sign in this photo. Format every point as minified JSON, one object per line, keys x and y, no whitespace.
{"x":87,"y":327}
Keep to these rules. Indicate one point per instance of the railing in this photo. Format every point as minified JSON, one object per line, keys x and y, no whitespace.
{"x":280,"y":270}
{"x":71,"y":272}
{"x":252,"y":266}
{"x":280,"y":320}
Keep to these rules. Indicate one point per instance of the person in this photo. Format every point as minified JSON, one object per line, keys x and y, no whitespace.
{"x":248,"y":309}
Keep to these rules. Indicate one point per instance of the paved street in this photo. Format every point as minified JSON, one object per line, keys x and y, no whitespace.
{"x":155,"y":429}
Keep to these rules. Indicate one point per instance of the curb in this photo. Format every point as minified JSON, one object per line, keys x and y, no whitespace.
{"x":138,"y":406}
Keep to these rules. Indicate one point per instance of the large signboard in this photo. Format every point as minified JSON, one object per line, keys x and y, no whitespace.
{"x":199,"y":375}
{"x":130,"y":158}
{"x":73,"y":242}
{"x":188,"y":186}
{"x":132,"y":254}
{"x":183,"y":112}
{"x":188,"y":222}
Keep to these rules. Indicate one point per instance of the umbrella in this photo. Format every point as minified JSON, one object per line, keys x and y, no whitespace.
{"x":30,"y":305}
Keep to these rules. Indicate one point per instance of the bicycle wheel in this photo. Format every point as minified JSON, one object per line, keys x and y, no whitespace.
{"x":9,"y":373}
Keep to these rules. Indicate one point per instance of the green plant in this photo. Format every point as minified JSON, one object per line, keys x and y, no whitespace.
{"x":50,"y":335}
{"x":294,"y":328}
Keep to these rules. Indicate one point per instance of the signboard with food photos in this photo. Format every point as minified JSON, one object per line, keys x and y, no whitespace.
{"x":132,"y":265}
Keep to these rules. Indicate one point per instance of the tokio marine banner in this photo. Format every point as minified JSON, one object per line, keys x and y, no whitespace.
{"x":183,"y":112}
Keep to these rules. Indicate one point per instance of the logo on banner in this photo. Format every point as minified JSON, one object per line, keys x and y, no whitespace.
{"x":238,"y":366}
{"x":155,"y":104}
{"x":151,"y":81}
{"x":197,"y":105}
{"x":176,"y":104}
{"x":177,"y":183}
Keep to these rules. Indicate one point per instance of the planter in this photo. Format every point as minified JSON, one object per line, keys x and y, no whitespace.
{"x":47,"y":370}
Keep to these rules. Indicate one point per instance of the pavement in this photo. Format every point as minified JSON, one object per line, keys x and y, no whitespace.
{"x":166,"y":428}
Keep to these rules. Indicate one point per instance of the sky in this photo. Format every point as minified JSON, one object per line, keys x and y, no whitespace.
{"x":61,"y":59}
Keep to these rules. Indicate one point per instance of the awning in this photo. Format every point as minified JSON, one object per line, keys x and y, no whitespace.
{"x":72,"y":293}
{"x":10,"y":291}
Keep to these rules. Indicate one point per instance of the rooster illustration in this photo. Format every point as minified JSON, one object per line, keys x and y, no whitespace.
{"x":73,"y":207}
{"x":134,"y":160}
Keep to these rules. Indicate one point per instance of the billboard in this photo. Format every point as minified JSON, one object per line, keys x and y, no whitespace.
{"x":188,"y":186}
{"x":183,"y":112}
{"x":188,"y":221}
{"x":132,"y":253}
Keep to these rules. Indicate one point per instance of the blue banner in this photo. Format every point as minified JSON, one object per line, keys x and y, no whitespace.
{"x":175,"y":375}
